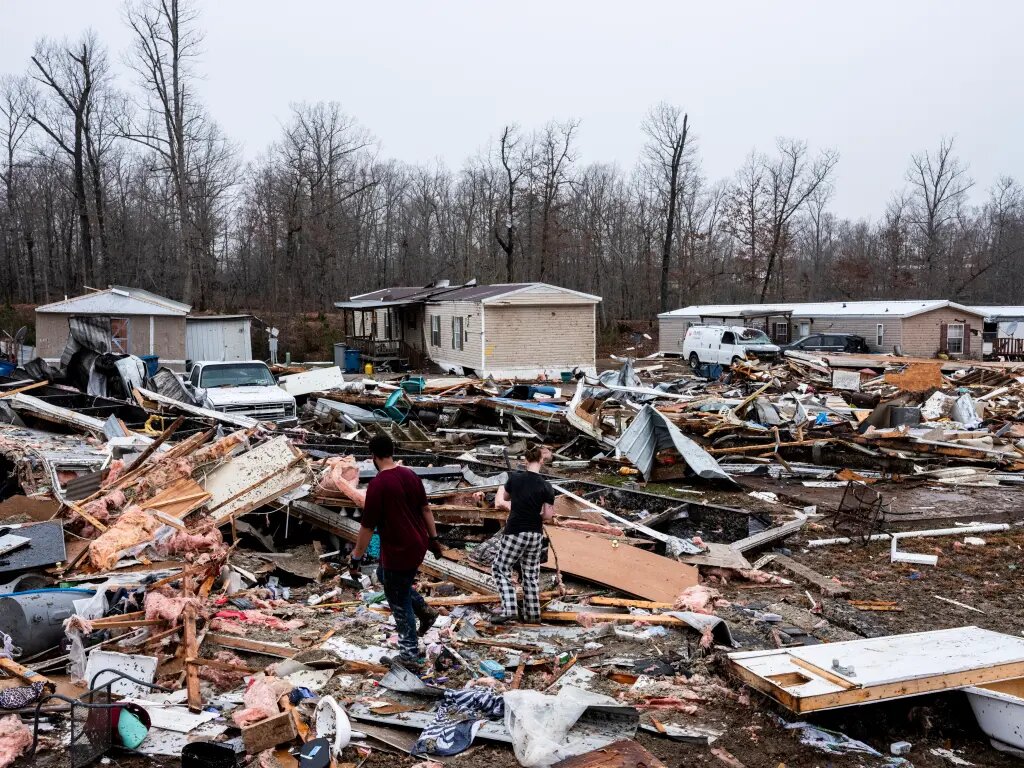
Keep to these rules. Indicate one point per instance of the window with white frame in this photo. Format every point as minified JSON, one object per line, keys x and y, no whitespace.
{"x":955,"y":338}
{"x":457,"y":342}
{"x":879,"y":334}
{"x":119,"y":335}
{"x":435,"y":331}
{"x":781,"y":332}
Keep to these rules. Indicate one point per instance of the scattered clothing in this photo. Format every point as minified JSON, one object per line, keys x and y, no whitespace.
{"x":457,"y":720}
{"x":16,"y":698}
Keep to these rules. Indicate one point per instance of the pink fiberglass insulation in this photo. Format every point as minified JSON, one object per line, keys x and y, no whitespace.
{"x":696,"y":599}
{"x":161,"y":604}
{"x":224,"y":679}
{"x":133,"y":527}
{"x":15,"y":738}
{"x":260,"y":699}
{"x":183,"y":543}
{"x":229,"y":621}
{"x":342,"y":475}
{"x":117,"y":467}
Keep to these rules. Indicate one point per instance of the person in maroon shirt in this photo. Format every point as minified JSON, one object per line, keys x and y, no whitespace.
{"x":396,"y":505}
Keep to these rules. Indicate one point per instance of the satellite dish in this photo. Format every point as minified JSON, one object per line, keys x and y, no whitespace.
{"x":21,"y":334}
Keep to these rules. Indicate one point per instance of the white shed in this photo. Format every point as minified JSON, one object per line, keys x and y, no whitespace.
{"x":218,"y":337}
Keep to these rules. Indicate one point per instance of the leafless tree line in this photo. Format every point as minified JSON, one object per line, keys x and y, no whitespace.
{"x":134,"y":183}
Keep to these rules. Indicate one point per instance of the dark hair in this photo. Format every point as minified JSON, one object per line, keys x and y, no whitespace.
{"x":382,"y":446}
{"x":534,"y":452}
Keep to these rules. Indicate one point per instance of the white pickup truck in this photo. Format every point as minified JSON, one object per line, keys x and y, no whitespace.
{"x":246,"y":388}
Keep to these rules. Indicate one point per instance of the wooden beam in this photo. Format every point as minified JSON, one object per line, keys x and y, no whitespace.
{"x":828,"y":587}
{"x":195,"y":698}
{"x":278,"y":650}
{"x":618,"y":618}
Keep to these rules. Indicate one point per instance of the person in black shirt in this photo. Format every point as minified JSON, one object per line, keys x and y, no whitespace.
{"x":532,"y":499}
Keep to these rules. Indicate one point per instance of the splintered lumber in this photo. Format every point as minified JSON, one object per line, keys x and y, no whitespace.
{"x":622,"y":602}
{"x":767,"y":536}
{"x":807,"y":679}
{"x":15,"y":669}
{"x":267,"y":734}
{"x":278,"y":650}
{"x":620,"y":566}
{"x":617,"y":618}
{"x":621,"y":754}
{"x":195,"y":698}
{"x":754,"y":448}
{"x":178,"y":499}
{"x":449,"y":602}
{"x":828,"y":587}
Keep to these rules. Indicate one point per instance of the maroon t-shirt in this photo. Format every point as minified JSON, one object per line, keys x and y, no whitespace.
{"x":394,"y":506}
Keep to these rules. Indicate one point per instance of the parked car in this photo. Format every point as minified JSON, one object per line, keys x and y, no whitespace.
{"x":830,"y":342}
{"x":726,"y":344}
{"x":245,"y":388}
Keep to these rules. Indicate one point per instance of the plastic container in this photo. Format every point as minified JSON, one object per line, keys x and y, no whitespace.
{"x":414,"y":385}
{"x":566,"y":377}
{"x":6,"y":368}
{"x":352,"y":357}
{"x":492,"y":669}
{"x":1000,"y":713}
{"x":152,"y":363}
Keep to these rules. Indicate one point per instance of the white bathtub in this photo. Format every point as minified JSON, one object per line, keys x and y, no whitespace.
{"x":999,"y":708}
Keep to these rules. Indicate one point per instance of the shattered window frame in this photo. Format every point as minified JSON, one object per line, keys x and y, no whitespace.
{"x":119,"y":341}
{"x":959,"y":340}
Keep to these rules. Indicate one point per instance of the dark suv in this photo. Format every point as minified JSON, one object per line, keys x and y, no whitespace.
{"x":830,"y":342}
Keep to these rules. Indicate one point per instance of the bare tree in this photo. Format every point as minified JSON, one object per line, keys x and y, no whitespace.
{"x":16,"y":107}
{"x":167,"y":43}
{"x":940,"y":184}
{"x":72,"y":75}
{"x":669,"y":150}
{"x":515,"y":168}
{"x":554,"y":173}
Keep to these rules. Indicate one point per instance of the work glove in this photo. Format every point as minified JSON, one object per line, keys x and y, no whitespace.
{"x":434,"y":545}
{"x":355,"y":568}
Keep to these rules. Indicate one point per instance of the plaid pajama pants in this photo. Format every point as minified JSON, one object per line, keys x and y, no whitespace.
{"x":525,"y":549}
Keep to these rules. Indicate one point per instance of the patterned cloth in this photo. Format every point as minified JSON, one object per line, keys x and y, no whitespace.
{"x":457,"y":719}
{"x":525,"y":550}
{"x":16,"y":698}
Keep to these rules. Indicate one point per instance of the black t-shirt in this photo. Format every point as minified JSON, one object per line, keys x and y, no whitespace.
{"x":529,"y":493}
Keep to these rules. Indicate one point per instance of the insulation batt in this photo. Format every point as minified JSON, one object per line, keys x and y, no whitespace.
{"x":183,"y":543}
{"x":133,"y":527}
{"x":117,"y":467}
{"x":696,"y":599}
{"x":260,"y":698}
{"x":15,"y":738}
{"x":224,"y":679}
{"x":161,"y":604}
{"x":342,"y":475}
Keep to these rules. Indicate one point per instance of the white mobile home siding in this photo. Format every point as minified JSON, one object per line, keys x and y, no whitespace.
{"x":549,"y":338}
{"x":472,"y":329}
{"x":671,"y":331}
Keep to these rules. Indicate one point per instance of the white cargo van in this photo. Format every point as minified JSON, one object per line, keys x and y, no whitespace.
{"x":726,"y":344}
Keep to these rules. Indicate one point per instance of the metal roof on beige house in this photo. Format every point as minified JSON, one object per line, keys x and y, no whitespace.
{"x":117,"y":300}
{"x":900,"y":309}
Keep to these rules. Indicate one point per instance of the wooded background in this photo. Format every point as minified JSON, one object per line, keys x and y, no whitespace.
{"x":134,"y":183}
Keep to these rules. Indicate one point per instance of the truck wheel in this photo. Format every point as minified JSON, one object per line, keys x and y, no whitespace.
{"x":694,"y":361}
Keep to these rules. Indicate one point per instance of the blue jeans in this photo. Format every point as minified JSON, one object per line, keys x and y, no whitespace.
{"x":406,"y":604}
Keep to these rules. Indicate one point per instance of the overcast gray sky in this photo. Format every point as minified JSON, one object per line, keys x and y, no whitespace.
{"x":433,"y":80}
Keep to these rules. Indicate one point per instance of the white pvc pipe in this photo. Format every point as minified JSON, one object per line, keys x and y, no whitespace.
{"x":979,"y":528}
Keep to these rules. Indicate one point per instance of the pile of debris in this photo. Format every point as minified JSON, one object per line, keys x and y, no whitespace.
{"x":177,"y":577}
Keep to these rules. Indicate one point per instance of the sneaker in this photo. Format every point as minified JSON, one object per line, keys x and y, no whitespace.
{"x":412,"y":665}
{"x":427,"y":619}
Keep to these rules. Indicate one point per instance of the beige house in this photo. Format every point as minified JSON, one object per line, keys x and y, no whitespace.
{"x":914,"y":328}
{"x":512,"y":330}
{"x":141,"y":323}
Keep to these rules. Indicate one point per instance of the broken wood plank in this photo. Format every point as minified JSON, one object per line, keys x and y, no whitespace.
{"x":278,"y":650}
{"x":620,"y":754}
{"x":15,"y":669}
{"x":267,"y":734}
{"x":775,"y":533}
{"x":195,"y":698}
{"x":827,"y":586}
{"x":617,"y":618}
{"x":718,"y":556}
{"x":623,"y":602}
{"x":613,"y":564}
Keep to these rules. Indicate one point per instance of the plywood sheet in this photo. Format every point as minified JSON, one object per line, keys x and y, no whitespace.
{"x":264,"y":493}
{"x":179,"y":499}
{"x":615,"y":564}
{"x":240,"y":473}
{"x":806,"y":679}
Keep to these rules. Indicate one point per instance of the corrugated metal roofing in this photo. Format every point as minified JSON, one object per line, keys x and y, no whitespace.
{"x":823,"y":309}
{"x":396,"y":297}
{"x":117,"y":300}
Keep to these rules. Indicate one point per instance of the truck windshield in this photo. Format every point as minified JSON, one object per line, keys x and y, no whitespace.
{"x":754,"y":336}
{"x":236,"y":375}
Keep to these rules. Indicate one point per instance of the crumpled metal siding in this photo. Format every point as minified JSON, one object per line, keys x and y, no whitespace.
{"x":650,"y":431}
